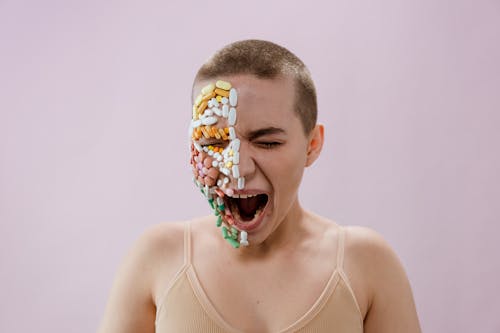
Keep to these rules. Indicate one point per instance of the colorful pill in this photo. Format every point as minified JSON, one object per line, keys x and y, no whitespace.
{"x":223,"y":85}
{"x":221,"y":92}
{"x":197,"y":101}
{"x":208,"y":88}
{"x":208,"y":97}
{"x":219,"y":98}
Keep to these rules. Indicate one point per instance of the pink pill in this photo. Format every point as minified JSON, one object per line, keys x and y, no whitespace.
{"x":209,"y":181}
{"x":213,"y":172}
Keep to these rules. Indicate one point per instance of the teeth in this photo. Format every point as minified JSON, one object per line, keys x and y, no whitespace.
{"x":243,"y":196}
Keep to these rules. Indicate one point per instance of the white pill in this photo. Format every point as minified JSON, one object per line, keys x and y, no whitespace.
{"x":217,"y":111}
{"x":236,"y":171}
{"x":225,"y":171}
{"x":231,"y":118}
{"x":219,"y":158}
{"x":214,"y":102}
{"x":208,"y":113}
{"x":210,"y":104}
{"x":232,"y":133}
{"x":241,"y":183}
{"x":233,"y":97}
{"x":196,"y":123}
{"x":205,"y":149}
{"x":225,"y":110}
{"x":209,"y":121}
{"x":226,"y":180}
{"x":210,"y":152}
{"x":219,"y":200}
{"x":236,"y":145}
{"x":215,"y":163}
{"x":224,"y":100}
{"x":219,"y":183}
{"x":236,"y":158}
{"x":221,"y":164}
{"x":197,"y":146}
{"x":243,"y":235}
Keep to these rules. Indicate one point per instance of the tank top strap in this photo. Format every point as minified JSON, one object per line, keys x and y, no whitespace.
{"x":340,"y":248}
{"x":187,"y":243}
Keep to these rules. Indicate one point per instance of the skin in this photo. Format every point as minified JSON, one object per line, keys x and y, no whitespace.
{"x":289,"y":244}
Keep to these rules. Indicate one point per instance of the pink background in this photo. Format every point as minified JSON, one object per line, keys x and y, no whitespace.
{"x":94,"y":105}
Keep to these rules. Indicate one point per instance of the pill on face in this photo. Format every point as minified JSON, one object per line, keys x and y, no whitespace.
{"x":208,"y":97}
{"x":236,"y":158}
{"x":215,"y":163}
{"x":232,"y":133}
{"x":225,"y":110}
{"x":197,"y":146}
{"x":225,"y":171}
{"x":213,"y":172}
{"x":219,"y":182}
{"x":236,"y":171}
{"x":209,"y":120}
{"x":233,"y":97}
{"x":226,"y":180}
{"x":208,"y":88}
{"x":202,"y":107}
{"x":223,"y":85}
{"x":217,"y":111}
{"x":236,"y":145}
{"x":241,"y":183}
{"x":231,"y":118}
{"x":221,"y":92}
{"x":207,"y":162}
{"x":195,"y":123}
{"x":222,"y":134}
{"x":197,"y":101}
{"x":224,"y":100}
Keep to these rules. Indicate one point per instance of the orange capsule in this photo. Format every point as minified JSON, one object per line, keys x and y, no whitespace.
{"x":221,"y":92}
{"x":222,"y":134}
{"x":208,"y":97}
{"x":202,"y":107}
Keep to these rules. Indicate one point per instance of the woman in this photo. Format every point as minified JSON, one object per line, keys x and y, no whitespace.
{"x":260,"y":263}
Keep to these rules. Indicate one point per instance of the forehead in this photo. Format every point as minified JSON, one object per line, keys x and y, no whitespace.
{"x":259,"y":99}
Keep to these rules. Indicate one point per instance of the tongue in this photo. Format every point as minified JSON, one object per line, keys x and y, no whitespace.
{"x":248,"y":206}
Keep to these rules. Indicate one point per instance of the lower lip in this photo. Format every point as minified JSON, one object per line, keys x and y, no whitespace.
{"x":250,"y":226}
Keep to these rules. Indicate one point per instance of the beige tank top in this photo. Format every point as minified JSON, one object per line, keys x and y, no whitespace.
{"x":185,"y":308}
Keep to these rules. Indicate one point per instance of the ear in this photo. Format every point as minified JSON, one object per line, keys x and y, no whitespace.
{"x":315,"y":144}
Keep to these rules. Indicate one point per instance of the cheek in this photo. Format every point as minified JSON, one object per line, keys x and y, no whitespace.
{"x":203,"y":168}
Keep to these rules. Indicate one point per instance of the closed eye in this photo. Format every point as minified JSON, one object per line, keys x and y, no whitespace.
{"x":268,"y":145}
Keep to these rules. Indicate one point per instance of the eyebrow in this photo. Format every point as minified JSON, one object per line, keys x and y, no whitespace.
{"x":264,"y":131}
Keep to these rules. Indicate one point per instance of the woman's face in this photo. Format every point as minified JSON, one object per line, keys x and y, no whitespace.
{"x":271,"y":155}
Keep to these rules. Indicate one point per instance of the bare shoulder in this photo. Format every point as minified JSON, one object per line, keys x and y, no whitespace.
{"x":155,"y":255}
{"x":379,"y":282}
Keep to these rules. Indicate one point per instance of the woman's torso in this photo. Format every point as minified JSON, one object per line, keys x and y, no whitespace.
{"x":304,"y":289}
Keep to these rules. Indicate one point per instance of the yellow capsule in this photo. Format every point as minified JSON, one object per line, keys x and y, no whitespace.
{"x":207,"y":89}
{"x":229,"y":164}
{"x":223,"y":85}
{"x":197,"y":101}
{"x":219,"y":98}
{"x":231,"y":153}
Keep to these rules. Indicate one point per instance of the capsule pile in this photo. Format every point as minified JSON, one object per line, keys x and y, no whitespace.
{"x":214,"y":166}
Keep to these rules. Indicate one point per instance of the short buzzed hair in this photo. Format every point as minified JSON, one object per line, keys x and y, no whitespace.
{"x":266,"y":60}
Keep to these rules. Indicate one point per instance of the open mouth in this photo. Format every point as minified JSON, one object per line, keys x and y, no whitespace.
{"x":246,"y":207}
